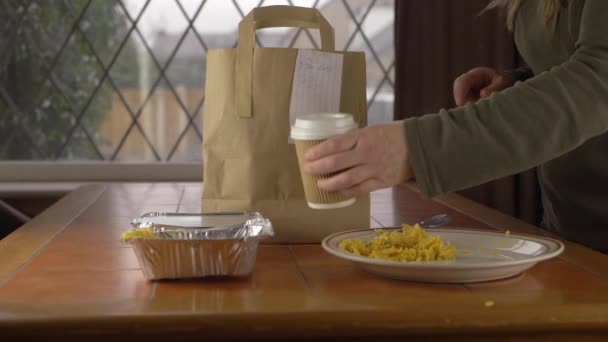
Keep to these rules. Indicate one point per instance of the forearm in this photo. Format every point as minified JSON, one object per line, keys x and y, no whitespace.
{"x":512,"y":131}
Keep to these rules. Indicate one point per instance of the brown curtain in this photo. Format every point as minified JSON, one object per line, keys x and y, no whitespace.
{"x":435,"y":42}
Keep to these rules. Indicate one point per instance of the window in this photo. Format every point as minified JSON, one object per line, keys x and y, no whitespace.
{"x":122,"y":81}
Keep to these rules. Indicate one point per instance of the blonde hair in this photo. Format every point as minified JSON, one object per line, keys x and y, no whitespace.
{"x":552,"y":10}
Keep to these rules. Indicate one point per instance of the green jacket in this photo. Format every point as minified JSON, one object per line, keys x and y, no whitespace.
{"x":556,"y":120}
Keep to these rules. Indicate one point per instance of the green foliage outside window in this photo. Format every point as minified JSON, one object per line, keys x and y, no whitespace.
{"x":39,"y":106}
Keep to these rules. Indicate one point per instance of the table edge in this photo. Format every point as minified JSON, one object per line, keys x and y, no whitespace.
{"x":19,"y":247}
{"x":278,"y":324}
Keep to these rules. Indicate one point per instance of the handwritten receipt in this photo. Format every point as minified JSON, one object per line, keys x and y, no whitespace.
{"x":317,"y":82}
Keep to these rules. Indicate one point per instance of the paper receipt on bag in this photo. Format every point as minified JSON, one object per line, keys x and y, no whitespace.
{"x":317,"y":84}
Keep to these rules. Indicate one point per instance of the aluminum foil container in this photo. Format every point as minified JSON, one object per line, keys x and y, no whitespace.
{"x":198,"y":245}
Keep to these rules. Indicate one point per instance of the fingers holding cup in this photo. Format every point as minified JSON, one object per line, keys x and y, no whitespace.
{"x":309,"y":133}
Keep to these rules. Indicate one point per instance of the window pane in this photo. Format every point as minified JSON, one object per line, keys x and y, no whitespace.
{"x":127,"y":83}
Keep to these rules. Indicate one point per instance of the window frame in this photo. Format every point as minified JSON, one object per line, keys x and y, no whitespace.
{"x":16,"y":172}
{"x":99,"y":171}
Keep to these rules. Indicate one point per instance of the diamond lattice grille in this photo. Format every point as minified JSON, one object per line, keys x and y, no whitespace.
{"x":123,"y":80}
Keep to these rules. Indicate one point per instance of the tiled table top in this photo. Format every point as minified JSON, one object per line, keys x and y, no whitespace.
{"x":66,"y":274}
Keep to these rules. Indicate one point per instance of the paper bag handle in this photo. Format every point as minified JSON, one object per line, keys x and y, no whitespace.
{"x":265,"y":17}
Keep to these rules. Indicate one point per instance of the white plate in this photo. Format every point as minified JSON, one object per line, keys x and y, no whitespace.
{"x":481,"y":256}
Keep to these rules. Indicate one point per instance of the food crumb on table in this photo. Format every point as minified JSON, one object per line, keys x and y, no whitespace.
{"x":488,"y":303}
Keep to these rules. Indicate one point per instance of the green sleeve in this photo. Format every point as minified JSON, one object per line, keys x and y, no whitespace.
{"x":518,"y":74}
{"x":521,"y":127}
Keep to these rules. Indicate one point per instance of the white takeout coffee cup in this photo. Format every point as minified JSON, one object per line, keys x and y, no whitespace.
{"x":310,"y":130}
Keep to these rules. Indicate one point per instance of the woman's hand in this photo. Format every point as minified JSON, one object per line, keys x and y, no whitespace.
{"x":478,"y":83}
{"x":362,"y":160}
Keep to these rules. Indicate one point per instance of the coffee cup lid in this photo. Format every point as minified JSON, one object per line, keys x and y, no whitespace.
{"x":322,"y":125}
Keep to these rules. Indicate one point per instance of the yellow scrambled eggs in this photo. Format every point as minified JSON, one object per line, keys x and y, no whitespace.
{"x":410,"y":244}
{"x":143,"y":233}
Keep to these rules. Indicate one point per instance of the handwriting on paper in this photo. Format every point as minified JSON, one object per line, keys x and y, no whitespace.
{"x":317,"y":83}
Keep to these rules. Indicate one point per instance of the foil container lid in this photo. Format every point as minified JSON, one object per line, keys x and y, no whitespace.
{"x":207,"y":226}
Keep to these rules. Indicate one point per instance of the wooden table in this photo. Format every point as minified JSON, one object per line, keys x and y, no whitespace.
{"x":65,"y":274}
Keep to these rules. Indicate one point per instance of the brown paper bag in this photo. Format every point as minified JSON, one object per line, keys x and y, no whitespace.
{"x":248,"y":164}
